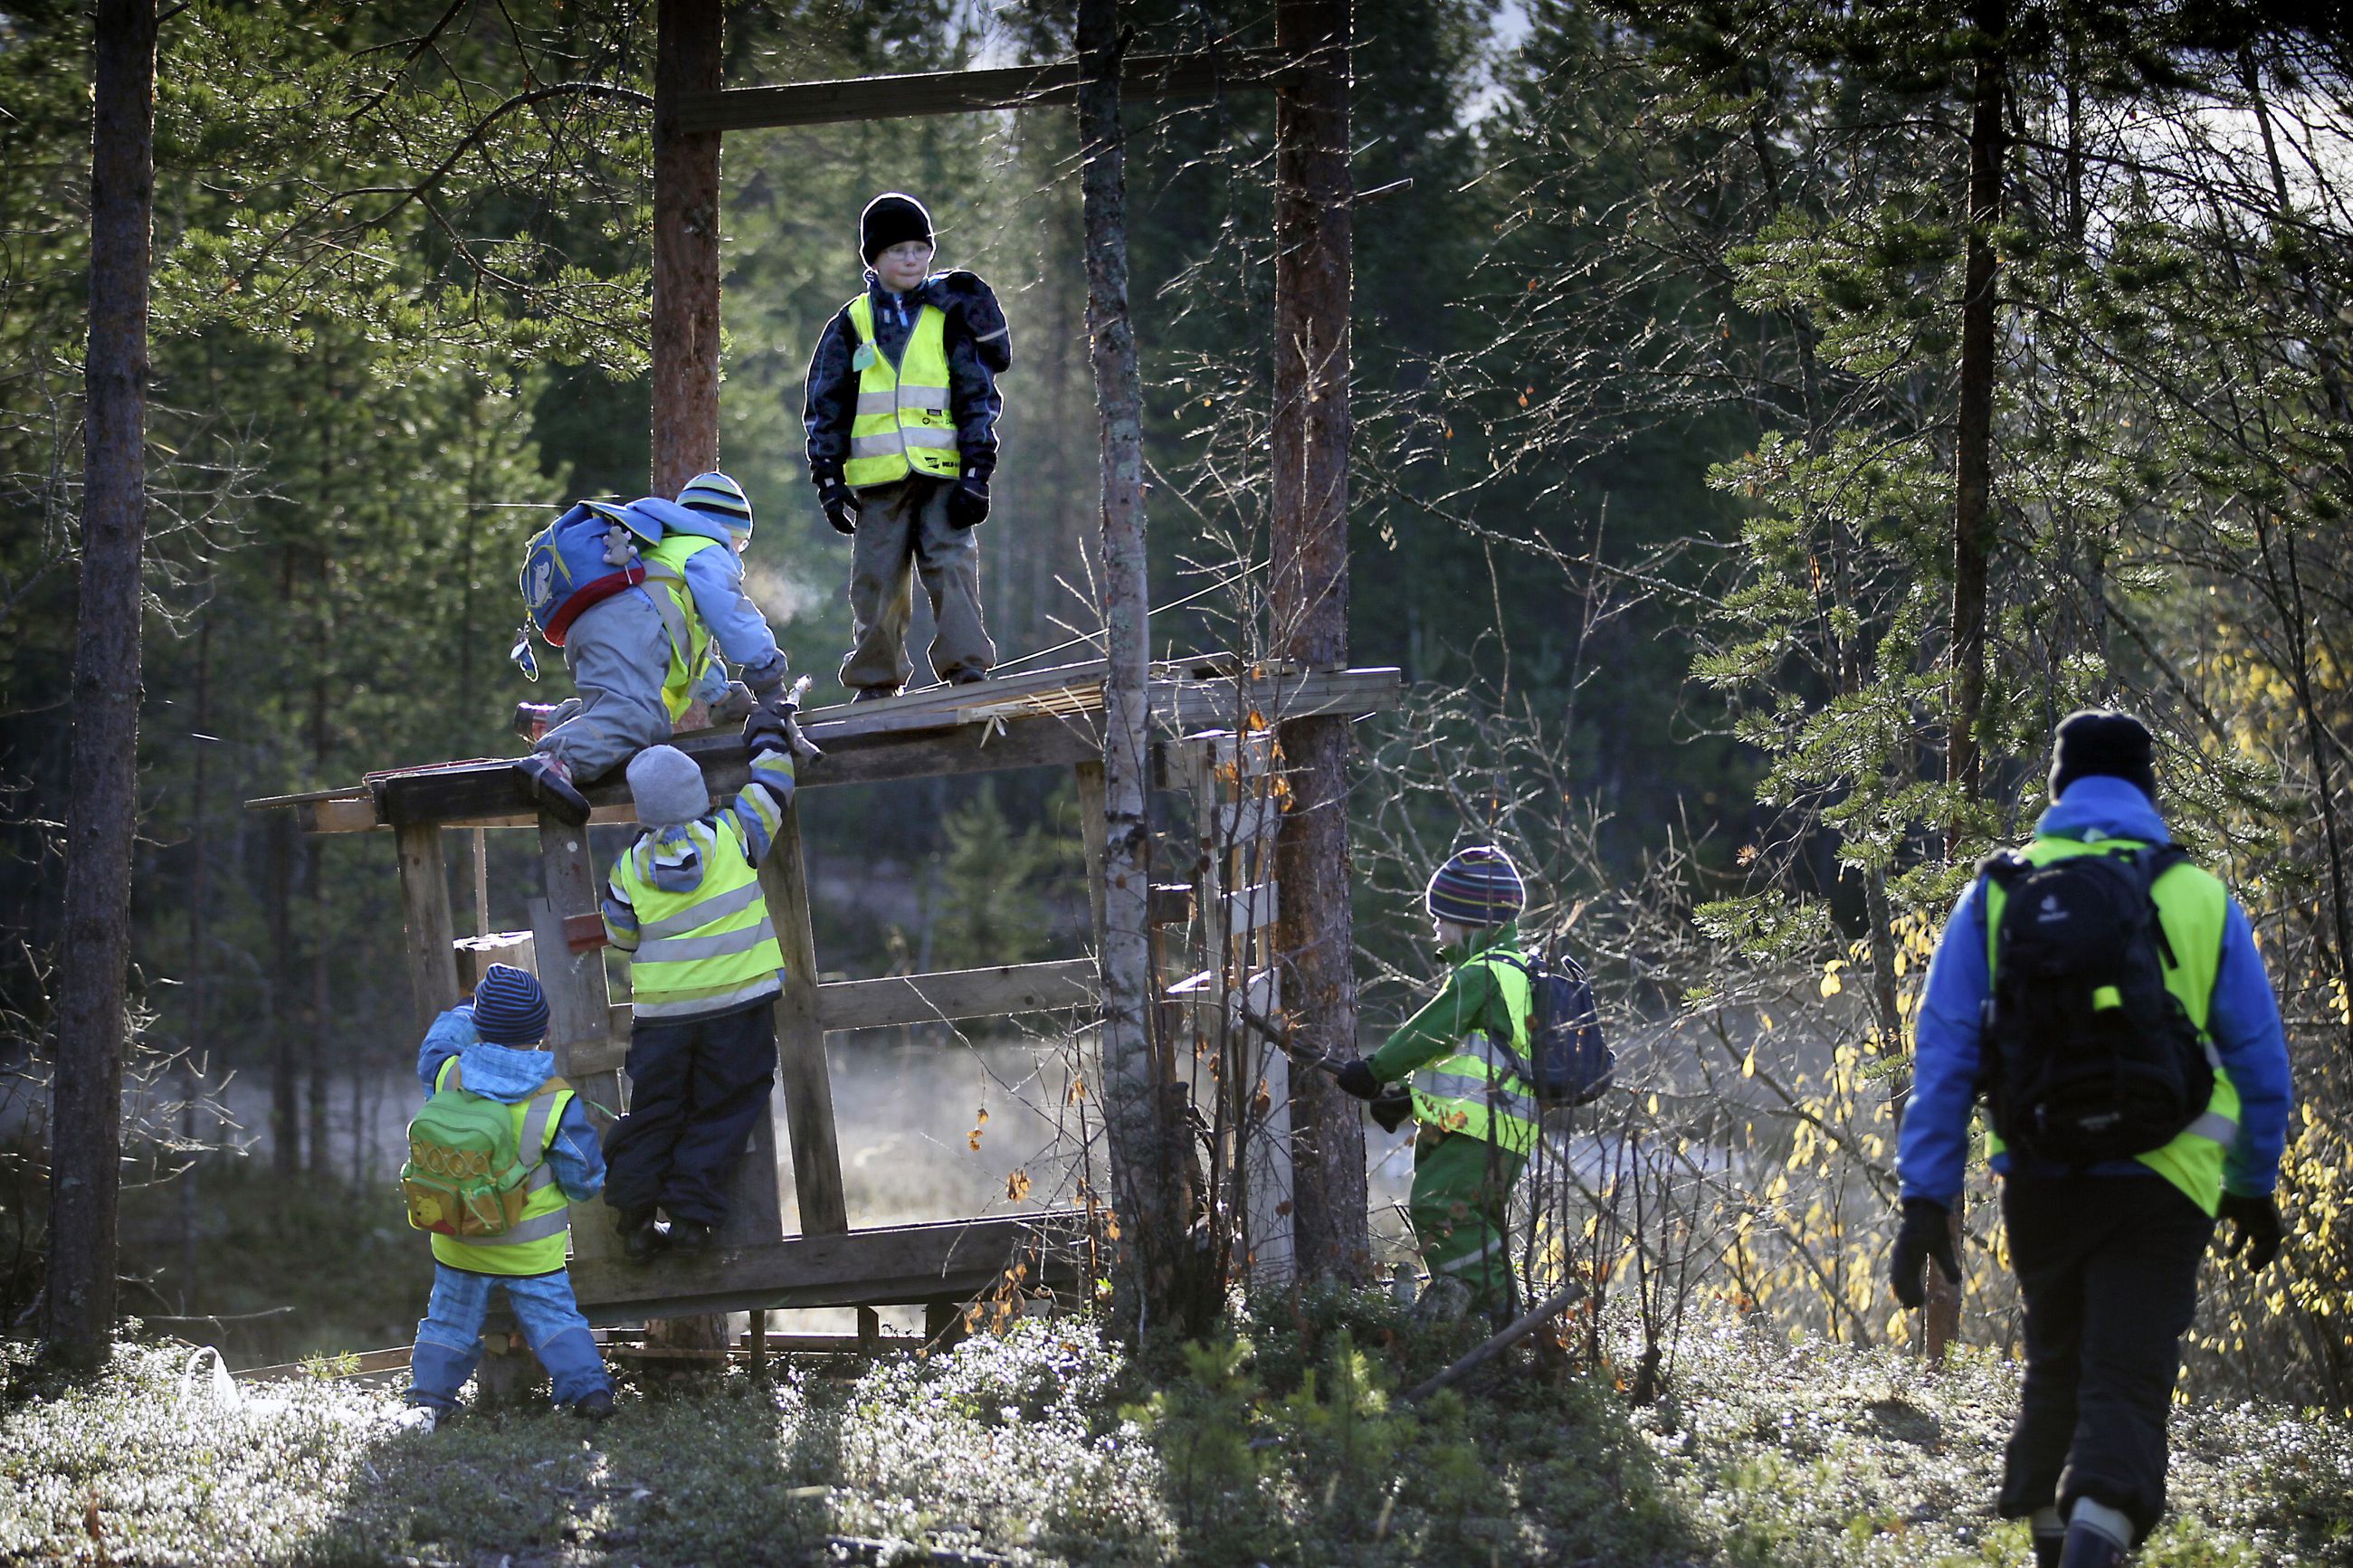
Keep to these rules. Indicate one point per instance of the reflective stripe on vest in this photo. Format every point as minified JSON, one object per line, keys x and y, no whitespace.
{"x":689,"y":638}
{"x":1474,"y":1091}
{"x":2193,"y":907}
{"x":705,"y":950}
{"x":902,"y":424}
{"x":535,"y":1245}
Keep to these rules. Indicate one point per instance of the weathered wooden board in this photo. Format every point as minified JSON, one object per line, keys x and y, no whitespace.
{"x":952,"y":994}
{"x":900,"y":1265}
{"x":424,"y":900}
{"x":802,"y":1072}
{"x":962,"y":91}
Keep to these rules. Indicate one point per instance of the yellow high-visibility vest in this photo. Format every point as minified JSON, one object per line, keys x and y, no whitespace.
{"x":690,"y":637}
{"x":535,"y":1244}
{"x":2194,"y":906}
{"x":705,"y":950}
{"x":1475,"y":1091}
{"x":904,"y":424}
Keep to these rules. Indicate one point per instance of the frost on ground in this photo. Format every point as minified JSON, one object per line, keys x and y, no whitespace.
{"x":1281,"y":1444}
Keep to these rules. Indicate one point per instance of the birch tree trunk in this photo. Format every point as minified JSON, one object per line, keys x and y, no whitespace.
{"x":1157,"y":1270}
{"x":86,"y":1119}
{"x":1316,"y":930}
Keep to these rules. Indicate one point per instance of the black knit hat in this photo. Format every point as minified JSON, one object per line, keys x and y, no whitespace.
{"x":888,"y":219}
{"x":2103,"y":741}
{"x":510,"y":1009}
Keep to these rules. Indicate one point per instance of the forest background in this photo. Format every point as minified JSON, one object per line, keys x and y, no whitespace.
{"x":1658,"y":399}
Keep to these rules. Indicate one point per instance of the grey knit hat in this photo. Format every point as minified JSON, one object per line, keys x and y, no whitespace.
{"x":667,"y":787}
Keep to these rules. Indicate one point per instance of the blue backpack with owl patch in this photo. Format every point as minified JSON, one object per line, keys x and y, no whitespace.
{"x":564,"y":569}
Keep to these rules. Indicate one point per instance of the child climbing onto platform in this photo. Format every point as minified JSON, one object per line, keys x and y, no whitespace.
{"x":498,"y":1149}
{"x":638,"y":596}
{"x":704,"y":973}
{"x":902,"y":416}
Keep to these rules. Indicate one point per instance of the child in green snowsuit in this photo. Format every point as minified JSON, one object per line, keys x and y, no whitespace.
{"x":1476,"y":1121}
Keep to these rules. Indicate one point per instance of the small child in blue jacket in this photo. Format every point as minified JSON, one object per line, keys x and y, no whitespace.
{"x":491,"y":1049}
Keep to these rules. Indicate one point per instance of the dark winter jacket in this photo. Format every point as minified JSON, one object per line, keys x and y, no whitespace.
{"x":979,"y":348}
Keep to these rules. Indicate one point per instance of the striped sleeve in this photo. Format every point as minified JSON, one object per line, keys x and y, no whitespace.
{"x":758,"y":809}
{"x":620,"y":914}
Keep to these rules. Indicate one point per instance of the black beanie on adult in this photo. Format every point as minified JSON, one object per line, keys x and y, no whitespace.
{"x":2103,"y":741}
{"x":889,"y":219}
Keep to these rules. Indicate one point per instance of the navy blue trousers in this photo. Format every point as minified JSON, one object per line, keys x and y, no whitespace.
{"x":697,"y":1088}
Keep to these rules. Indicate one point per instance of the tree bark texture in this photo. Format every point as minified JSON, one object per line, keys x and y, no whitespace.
{"x":1973,"y":516}
{"x":86,"y":1130}
{"x":686,"y":249}
{"x":687,"y":49}
{"x":1157,"y":1269}
{"x":1315,"y":931}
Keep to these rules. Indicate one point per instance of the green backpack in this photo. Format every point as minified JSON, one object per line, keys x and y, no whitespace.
{"x":465,"y":1177}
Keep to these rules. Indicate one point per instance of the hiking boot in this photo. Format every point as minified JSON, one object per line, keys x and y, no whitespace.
{"x":872,"y":693}
{"x":968,"y":677}
{"x":533,"y":719}
{"x":550,"y":785}
{"x":689,"y":1237}
{"x":597,"y":1406}
{"x":643,"y":1237}
{"x":417,"y":1418}
{"x":2089,"y":1548}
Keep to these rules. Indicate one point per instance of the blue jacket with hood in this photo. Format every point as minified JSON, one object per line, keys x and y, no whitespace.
{"x":2244,"y":1023}
{"x":716,"y":579}
{"x":505,"y":1073}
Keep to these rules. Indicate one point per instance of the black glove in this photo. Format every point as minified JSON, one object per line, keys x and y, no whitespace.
{"x":841,"y":505}
{"x":2259,"y":1233}
{"x":968,"y":504}
{"x":1392,"y":1109}
{"x":1356,"y":1077}
{"x":1925,"y":1233}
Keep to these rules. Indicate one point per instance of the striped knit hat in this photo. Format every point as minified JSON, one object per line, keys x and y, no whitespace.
{"x":510,"y":1009}
{"x":716,"y":495}
{"x":1478,"y":887}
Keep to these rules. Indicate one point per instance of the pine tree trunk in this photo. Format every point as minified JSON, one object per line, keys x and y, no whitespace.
{"x":1973,"y":516}
{"x":86,"y":1119}
{"x":1157,"y":1270}
{"x":1315,"y":932}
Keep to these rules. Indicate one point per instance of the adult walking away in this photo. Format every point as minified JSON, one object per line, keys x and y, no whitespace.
{"x":2108,"y":997}
{"x":1475,"y":1121}
{"x":902,"y":418}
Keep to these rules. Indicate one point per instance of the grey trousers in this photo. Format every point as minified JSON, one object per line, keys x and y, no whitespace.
{"x":902,"y":531}
{"x":618,"y":653}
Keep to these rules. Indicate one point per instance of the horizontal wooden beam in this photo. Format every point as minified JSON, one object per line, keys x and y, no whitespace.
{"x":953,"y":994}
{"x":964,"y":92}
{"x":858,"y":749}
{"x":898,"y":1265}
{"x":942,"y":996}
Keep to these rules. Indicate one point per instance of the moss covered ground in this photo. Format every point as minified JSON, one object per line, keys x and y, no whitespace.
{"x":1282,"y":1443}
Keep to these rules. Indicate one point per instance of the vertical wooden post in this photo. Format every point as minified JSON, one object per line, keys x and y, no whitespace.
{"x":687,"y":40}
{"x":1316,"y":930}
{"x":579,"y":1006}
{"x":1092,"y":828}
{"x":433,"y":983}
{"x":802,"y":1072}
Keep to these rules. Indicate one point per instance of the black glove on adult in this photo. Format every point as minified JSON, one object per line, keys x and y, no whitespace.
{"x":1356,"y":1077}
{"x":2258,"y":1233}
{"x":841,"y":505}
{"x":1392,"y":1109}
{"x":968,"y":504}
{"x":1925,"y":1233}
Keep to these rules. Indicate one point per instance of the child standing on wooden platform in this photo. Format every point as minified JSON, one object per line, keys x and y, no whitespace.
{"x":705,"y":969}
{"x":500,"y":1148}
{"x":901,"y":418}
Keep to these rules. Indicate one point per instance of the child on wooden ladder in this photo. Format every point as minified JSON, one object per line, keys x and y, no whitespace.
{"x":498,"y":1149}
{"x":638,"y":597}
{"x":685,"y":902}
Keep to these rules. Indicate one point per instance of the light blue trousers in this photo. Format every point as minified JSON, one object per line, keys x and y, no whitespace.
{"x":449,"y":1339}
{"x":618,"y":653}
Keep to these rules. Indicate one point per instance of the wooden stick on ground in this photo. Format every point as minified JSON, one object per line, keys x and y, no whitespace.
{"x":1520,"y":1328}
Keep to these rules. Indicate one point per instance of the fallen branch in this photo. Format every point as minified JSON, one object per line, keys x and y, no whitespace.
{"x":1520,"y":1328}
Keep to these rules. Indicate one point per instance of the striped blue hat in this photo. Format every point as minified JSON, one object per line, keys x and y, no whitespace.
{"x":1478,"y":887}
{"x":510,"y":1009}
{"x":716,"y":495}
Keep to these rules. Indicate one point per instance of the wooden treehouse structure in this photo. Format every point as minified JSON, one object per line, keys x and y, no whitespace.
{"x":1214,"y":723}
